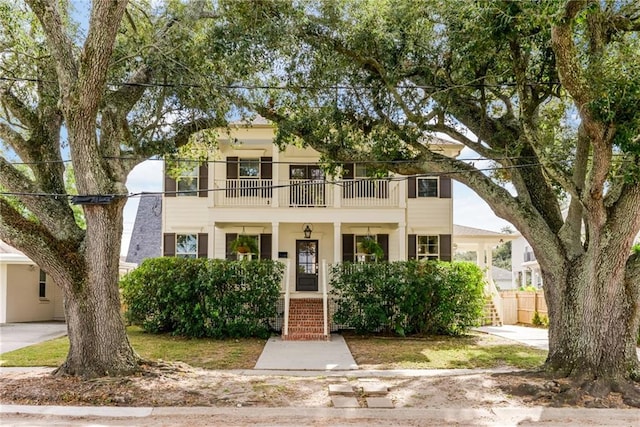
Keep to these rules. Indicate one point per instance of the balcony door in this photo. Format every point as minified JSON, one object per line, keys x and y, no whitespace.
{"x":307,"y":265}
{"x":307,"y":185}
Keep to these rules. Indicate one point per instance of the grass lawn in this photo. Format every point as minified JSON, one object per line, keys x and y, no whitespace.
{"x":475,"y":350}
{"x":470,"y":351}
{"x":203,"y":353}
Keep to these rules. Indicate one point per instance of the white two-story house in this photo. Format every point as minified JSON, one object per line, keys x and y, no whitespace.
{"x":297,"y":215}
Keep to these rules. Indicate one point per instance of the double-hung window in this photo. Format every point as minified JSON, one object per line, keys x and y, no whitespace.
{"x":187,"y":182}
{"x":428,"y":247}
{"x":42,"y":285}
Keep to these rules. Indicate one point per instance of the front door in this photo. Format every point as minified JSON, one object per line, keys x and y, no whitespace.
{"x":306,"y":265}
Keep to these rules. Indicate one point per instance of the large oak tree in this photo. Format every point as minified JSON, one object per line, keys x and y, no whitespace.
{"x":547,"y":92}
{"x":105,"y":95}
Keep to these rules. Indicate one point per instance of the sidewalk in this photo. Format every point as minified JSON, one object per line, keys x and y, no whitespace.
{"x":333,"y":355}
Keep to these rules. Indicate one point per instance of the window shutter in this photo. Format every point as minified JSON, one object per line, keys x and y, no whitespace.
{"x":230,"y":237}
{"x":412,"y":241}
{"x":232,"y":168}
{"x":169,"y":246}
{"x":203,"y":245}
{"x":445,"y":247}
{"x":203,"y":180}
{"x":266,"y":167}
{"x":383,"y":241}
{"x":411,"y":187}
{"x":169,"y":184}
{"x":266,"y":173}
{"x":348,"y":249}
{"x":232,"y":173}
{"x":348,"y":188}
{"x":265,"y":246}
{"x":445,"y":187}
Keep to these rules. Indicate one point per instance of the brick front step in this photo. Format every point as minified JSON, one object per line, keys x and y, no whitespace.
{"x":306,"y":320}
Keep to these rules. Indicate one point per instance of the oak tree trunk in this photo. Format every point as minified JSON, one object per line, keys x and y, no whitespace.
{"x":593,"y":318}
{"x":98,"y":342}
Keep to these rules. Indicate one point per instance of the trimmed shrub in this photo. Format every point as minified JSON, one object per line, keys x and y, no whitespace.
{"x":408,"y":297}
{"x":203,"y":297}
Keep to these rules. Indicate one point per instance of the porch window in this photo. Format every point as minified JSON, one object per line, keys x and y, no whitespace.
{"x":186,"y":245}
{"x":427,"y":187}
{"x":187,"y":182}
{"x":428,"y":247}
{"x":42,"y":285}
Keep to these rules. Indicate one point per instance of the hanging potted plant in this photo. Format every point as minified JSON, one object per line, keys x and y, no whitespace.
{"x":370,"y":246}
{"x":245,"y":244}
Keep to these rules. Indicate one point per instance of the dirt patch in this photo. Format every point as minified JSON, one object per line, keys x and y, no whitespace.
{"x":181,"y":385}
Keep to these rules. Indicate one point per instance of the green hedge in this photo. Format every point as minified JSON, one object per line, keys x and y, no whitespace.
{"x":203,"y":297}
{"x":408,"y":297}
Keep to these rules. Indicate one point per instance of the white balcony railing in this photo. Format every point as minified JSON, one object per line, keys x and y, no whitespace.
{"x":307,"y":193}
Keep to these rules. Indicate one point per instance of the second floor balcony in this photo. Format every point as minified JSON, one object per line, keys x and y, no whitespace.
{"x":302,"y":193}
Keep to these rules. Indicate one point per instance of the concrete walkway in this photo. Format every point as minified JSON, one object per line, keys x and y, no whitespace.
{"x":333,"y":355}
{"x":533,"y":337}
{"x":18,"y":335}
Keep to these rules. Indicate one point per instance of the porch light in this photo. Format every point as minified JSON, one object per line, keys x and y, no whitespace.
{"x":307,"y":231}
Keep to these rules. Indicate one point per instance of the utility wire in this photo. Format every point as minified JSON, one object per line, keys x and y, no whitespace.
{"x":340,"y":182}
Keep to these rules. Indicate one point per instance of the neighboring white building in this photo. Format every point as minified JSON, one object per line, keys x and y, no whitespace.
{"x":525,"y":267}
{"x":27,"y":294}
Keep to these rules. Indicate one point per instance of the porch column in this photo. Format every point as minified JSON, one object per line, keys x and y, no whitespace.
{"x":275,"y":238}
{"x":337,"y":241}
{"x":211,"y":244}
{"x":337,"y":192}
{"x":402,"y":242}
{"x":488,"y":254}
{"x":480,"y":260}
{"x":275,"y":179}
{"x":211,"y":184}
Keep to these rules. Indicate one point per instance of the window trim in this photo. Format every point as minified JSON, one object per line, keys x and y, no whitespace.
{"x":428,"y":255}
{"x":428,"y":178}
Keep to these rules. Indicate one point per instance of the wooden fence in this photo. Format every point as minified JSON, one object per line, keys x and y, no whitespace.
{"x":520,"y":306}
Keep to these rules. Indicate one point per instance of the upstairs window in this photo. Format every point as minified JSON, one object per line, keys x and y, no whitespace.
{"x":186,"y":246}
{"x":428,"y":247}
{"x":187,"y":182}
{"x":248,"y":168}
{"x":427,"y":187}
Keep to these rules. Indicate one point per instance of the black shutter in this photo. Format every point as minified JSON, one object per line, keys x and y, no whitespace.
{"x":230,"y":237}
{"x":348,"y":248}
{"x":203,"y":180}
{"x":232,"y":173}
{"x":348,"y":187}
{"x":445,"y":187}
{"x":266,"y":174}
{"x":169,"y":184}
{"x":265,"y":246}
{"x":383,"y":241}
{"x":169,"y":245}
{"x":412,"y":241}
{"x":445,"y":247}
{"x":203,"y":245}
{"x":411,"y":187}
